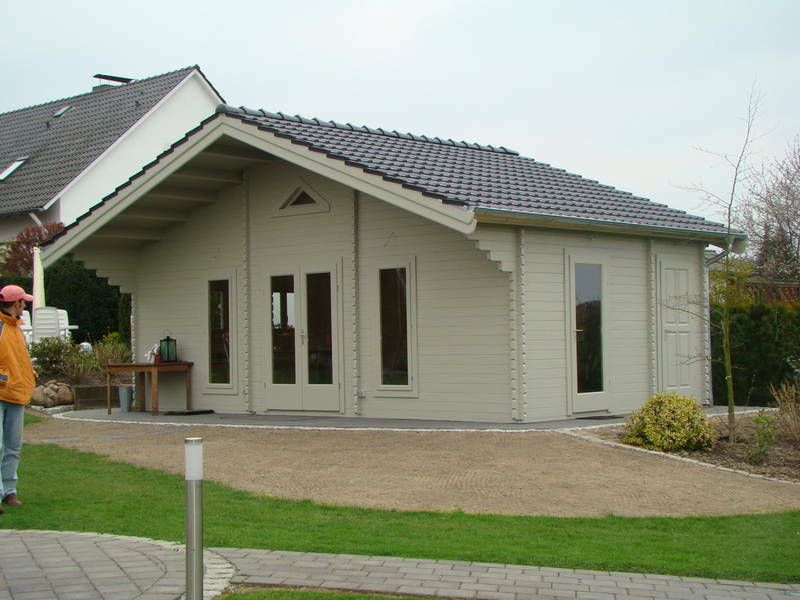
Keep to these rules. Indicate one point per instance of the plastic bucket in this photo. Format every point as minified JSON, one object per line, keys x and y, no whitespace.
{"x":125,"y":397}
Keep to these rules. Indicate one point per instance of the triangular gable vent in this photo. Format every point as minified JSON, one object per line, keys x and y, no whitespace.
{"x":302,"y":199}
{"x":303,"y":202}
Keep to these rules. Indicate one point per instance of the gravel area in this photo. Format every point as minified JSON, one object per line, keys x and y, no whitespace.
{"x":530,"y":473}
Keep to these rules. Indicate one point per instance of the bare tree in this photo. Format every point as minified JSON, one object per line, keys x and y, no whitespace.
{"x":771,"y":216}
{"x":729,"y":204}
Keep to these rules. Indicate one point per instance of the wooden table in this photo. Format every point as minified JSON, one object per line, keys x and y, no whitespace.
{"x":142,"y":369}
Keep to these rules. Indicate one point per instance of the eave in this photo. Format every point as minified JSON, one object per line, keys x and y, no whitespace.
{"x":509,"y":217}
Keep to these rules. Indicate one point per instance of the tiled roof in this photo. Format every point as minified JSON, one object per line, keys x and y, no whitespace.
{"x":60,"y":148}
{"x":480,"y":177}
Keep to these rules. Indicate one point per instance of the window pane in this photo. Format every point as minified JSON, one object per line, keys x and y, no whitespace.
{"x":394,"y":327}
{"x":588,"y":311}
{"x":320,"y":349}
{"x":219,"y":332}
{"x":283,"y":329}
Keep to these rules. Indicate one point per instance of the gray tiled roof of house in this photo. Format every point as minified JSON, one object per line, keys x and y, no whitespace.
{"x":480,"y":177}
{"x":60,"y":148}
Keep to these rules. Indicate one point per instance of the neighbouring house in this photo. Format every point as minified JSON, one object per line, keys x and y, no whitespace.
{"x":58,"y":158}
{"x":310,"y":266}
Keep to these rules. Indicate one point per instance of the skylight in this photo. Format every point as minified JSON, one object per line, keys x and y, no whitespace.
{"x":12,"y":167}
{"x":61,"y":111}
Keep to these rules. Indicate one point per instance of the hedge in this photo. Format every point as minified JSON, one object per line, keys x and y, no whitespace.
{"x":96,"y":307}
{"x":762,"y":338}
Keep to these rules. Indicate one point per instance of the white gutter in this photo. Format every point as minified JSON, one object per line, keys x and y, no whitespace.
{"x":511,"y":217}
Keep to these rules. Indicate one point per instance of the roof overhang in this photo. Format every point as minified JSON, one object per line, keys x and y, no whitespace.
{"x":221,"y":126}
{"x":510,"y":217}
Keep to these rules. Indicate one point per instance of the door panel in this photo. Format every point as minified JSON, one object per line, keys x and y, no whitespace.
{"x":676,"y":330}
{"x":303,"y":357}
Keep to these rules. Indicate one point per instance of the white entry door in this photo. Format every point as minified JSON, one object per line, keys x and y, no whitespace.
{"x":676,"y":320}
{"x":303,"y":357}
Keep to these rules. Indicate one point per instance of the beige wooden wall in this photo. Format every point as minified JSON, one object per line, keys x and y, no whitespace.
{"x":492,"y":315}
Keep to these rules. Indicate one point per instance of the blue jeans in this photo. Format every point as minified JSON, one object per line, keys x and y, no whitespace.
{"x":12,"y":417}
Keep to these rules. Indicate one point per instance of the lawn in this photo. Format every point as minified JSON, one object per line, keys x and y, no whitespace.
{"x":68,"y":490}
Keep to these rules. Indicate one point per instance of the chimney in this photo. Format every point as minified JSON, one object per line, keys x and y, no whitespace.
{"x":103,"y":85}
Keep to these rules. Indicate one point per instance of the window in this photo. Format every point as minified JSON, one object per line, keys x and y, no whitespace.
{"x":589,"y":327}
{"x":12,"y":167}
{"x":283,"y":327}
{"x":394,"y":326}
{"x":219,"y":332}
{"x":320,"y":328}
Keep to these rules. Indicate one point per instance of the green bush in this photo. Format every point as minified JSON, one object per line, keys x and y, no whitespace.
{"x":112,"y":349}
{"x":669,"y":422}
{"x":762,"y":337}
{"x":79,"y":367}
{"x":765,"y":437}
{"x":96,"y":307}
{"x":48,"y":357}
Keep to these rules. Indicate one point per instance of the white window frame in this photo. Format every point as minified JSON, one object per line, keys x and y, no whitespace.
{"x":411,"y":390}
{"x":575,"y":257}
{"x":232,"y":387}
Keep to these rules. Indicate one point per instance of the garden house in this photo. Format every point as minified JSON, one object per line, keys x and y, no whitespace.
{"x":309,"y":266}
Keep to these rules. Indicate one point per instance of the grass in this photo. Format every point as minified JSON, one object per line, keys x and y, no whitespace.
{"x":74,"y":491}
{"x":30,"y":418}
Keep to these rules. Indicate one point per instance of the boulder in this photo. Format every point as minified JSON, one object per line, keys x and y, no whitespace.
{"x":37,"y":397}
{"x":64,"y":395}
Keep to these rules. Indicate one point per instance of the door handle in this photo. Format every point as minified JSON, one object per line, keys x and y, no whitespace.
{"x":302,"y":337}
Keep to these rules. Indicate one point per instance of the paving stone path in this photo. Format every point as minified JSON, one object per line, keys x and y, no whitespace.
{"x":52,"y":565}
{"x":454,"y":579}
{"x":55,"y":565}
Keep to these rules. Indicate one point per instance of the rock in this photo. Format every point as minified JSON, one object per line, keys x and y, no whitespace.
{"x":64,"y":395}
{"x":48,"y":398}
{"x":37,"y":397}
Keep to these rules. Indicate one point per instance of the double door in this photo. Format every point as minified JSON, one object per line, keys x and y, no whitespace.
{"x":303,"y":349}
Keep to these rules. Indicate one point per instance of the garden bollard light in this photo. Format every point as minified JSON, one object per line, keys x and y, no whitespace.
{"x":194,"y":518}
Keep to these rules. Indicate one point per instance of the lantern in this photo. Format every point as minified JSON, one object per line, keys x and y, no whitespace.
{"x":168,"y":350}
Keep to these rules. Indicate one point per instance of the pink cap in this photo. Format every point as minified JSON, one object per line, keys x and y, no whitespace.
{"x":12,"y":293}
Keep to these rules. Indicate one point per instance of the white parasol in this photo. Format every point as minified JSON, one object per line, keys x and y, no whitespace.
{"x":38,"y":280}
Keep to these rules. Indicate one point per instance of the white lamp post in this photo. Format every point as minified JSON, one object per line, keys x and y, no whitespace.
{"x":194,"y":518}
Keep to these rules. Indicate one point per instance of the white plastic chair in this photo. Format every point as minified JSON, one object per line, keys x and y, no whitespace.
{"x":64,"y":328}
{"x":25,"y":326}
{"x":45,"y":323}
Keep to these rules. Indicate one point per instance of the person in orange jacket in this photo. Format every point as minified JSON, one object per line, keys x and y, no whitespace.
{"x":17,"y":382}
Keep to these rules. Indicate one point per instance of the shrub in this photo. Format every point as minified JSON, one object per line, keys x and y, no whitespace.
{"x":79,"y":368}
{"x":669,"y":422}
{"x":762,"y":337}
{"x":788,"y":398}
{"x":112,"y":349}
{"x":48,"y":356}
{"x":764,"y":438}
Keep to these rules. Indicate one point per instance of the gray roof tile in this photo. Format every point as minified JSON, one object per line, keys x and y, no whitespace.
{"x":60,"y":148}
{"x":473,"y":175}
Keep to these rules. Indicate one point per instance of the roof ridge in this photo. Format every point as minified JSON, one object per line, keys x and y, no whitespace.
{"x":127,"y":85}
{"x":252,"y":112}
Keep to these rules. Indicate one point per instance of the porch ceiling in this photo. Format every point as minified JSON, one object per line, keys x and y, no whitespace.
{"x":195,"y":185}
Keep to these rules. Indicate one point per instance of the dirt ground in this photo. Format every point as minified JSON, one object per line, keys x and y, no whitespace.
{"x":531,"y":473}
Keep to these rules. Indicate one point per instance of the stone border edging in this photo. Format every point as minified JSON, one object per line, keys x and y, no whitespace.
{"x":573,"y":432}
{"x":65,"y":417}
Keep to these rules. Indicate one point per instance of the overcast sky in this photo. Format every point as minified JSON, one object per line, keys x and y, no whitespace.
{"x":619,"y":91}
